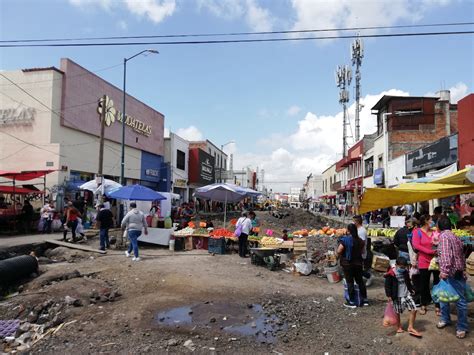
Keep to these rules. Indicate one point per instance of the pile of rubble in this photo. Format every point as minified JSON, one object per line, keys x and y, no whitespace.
{"x":318,"y":246}
{"x":46,"y":318}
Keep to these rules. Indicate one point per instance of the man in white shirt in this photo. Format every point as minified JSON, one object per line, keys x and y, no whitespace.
{"x":246,"y":224}
{"x":363,"y":235}
{"x":47,"y":213}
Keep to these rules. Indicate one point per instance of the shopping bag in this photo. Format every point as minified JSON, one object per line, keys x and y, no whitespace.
{"x":238,"y":231}
{"x":390,"y":317}
{"x":469,"y":293}
{"x":444,"y":292}
{"x":434,"y":265}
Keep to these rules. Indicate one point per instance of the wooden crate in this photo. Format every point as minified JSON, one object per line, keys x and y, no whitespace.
{"x":299,"y":246}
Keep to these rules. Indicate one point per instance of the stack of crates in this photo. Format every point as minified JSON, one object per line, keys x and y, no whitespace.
{"x":216,"y":246}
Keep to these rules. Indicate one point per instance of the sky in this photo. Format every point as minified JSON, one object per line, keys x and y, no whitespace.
{"x":277,"y":100}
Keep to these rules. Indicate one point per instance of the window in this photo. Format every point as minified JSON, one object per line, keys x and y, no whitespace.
{"x":180,"y":160}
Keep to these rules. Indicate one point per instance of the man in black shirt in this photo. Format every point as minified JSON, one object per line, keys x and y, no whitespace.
{"x":402,"y":238}
{"x":105,"y":219}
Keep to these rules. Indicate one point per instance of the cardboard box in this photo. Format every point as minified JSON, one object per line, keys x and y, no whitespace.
{"x":380,"y":263}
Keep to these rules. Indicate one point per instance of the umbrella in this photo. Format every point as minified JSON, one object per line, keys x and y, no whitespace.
{"x":91,"y":185}
{"x":221,"y":193}
{"x":135,"y":192}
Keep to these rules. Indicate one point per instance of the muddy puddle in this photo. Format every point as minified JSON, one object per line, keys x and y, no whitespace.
{"x":234,"y":319}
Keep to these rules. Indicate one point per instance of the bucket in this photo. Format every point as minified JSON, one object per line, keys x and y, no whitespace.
{"x":172,"y":241}
{"x":332,"y":273}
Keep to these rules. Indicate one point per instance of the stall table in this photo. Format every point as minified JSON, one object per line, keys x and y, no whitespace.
{"x":160,"y":236}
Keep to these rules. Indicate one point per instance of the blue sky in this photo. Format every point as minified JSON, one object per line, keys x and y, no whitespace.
{"x":278,"y":101}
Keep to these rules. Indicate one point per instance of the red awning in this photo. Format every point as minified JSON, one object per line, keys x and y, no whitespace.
{"x":24,"y":175}
{"x":18,"y":190}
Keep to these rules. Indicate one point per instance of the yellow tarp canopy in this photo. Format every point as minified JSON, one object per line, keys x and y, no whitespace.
{"x":458,"y":183}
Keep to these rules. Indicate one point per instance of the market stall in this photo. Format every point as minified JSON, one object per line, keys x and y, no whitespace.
{"x":145,"y":199}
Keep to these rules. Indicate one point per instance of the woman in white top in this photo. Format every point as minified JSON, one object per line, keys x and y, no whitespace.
{"x":246,"y":224}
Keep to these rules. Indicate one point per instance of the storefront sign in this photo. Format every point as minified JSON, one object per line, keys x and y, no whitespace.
{"x":17,"y":116}
{"x":112,"y":115}
{"x":180,"y":183}
{"x":152,"y":172}
{"x":378,"y":176}
{"x":441,"y":153}
{"x":207,"y":173}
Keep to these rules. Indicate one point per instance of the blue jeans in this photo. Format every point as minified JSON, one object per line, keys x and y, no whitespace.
{"x":104,"y":238}
{"x":133,"y":236}
{"x":459,"y":284}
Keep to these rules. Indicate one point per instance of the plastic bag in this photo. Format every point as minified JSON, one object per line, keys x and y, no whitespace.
{"x":444,"y":292}
{"x":40,"y":225}
{"x":56,"y":225}
{"x":304,"y":267}
{"x":469,"y":294}
{"x":390,"y":317}
{"x":434,"y":265}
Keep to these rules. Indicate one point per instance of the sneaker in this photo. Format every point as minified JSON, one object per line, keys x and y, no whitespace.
{"x":127,"y":254}
{"x":365,"y":304}
{"x":442,"y":325}
{"x":350,"y":305}
{"x":136,"y":259}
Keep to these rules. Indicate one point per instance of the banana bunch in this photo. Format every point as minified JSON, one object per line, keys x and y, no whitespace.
{"x":269,"y":241}
{"x":460,"y":232}
{"x":379,"y":232}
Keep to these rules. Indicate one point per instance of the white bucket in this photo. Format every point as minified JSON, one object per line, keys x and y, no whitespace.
{"x":332,"y":273}
{"x":172,"y":241}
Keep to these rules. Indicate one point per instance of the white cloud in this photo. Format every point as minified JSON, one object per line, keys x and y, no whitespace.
{"x":122,"y":25}
{"x":312,"y":14}
{"x":313,"y":146}
{"x":154,"y":10}
{"x":457,"y":91}
{"x":293,"y":110}
{"x":257,"y":18}
{"x":190,"y":133}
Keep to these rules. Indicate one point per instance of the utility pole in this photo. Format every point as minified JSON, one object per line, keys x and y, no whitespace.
{"x":343,"y":80}
{"x":101,"y":142}
{"x":357,"y":55}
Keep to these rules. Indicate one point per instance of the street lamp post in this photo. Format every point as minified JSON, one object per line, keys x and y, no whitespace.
{"x":125,"y":60}
{"x":222,"y":151}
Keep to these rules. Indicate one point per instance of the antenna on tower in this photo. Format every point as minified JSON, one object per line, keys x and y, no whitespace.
{"x":357,"y":53}
{"x":343,"y":80}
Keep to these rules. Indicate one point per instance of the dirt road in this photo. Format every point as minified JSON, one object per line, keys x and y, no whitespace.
{"x":192,"y":301}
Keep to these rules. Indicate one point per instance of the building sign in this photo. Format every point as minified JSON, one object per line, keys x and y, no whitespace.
{"x":17,"y":116}
{"x":180,"y":183}
{"x":112,"y":115}
{"x":207,"y":172}
{"x":378,"y":176}
{"x":439,"y":154}
{"x":152,"y":172}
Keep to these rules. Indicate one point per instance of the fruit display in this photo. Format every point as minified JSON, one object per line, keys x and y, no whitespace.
{"x":301,"y":233}
{"x":269,"y":241}
{"x":254,"y":238}
{"x":461,"y":232}
{"x":201,"y":231}
{"x":185,"y":232}
{"x":381,"y":232}
{"x":221,"y":232}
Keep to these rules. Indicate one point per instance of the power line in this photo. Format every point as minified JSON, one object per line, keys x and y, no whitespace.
{"x":186,"y":35}
{"x":226,"y":41}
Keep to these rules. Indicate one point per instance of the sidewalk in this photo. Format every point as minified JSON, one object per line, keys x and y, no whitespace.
{"x":8,"y":242}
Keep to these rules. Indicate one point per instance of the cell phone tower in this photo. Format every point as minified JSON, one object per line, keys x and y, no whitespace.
{"x":357,"y":53}
{"x":343,"y":80}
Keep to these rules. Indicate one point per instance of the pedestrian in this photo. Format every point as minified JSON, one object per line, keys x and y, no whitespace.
{"x":452,"y":264}
{"x":350,"y":251}
{"x":255,"y":224}
{"x":72,"y":215}
{"x":246,"y":225}
{"x":422,"y":242}
{"x":362,"y":232}
{"x":134,"y":221}
{"x":385,"y":217}
{"x":398,"y":289}
{"x":27,"y":216}
{"x":47,"y":213}
{"x":105,"y":220}
{"x":402,"y":237}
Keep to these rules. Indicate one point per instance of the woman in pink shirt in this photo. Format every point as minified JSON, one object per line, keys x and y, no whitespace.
{"x":422,"y":242}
